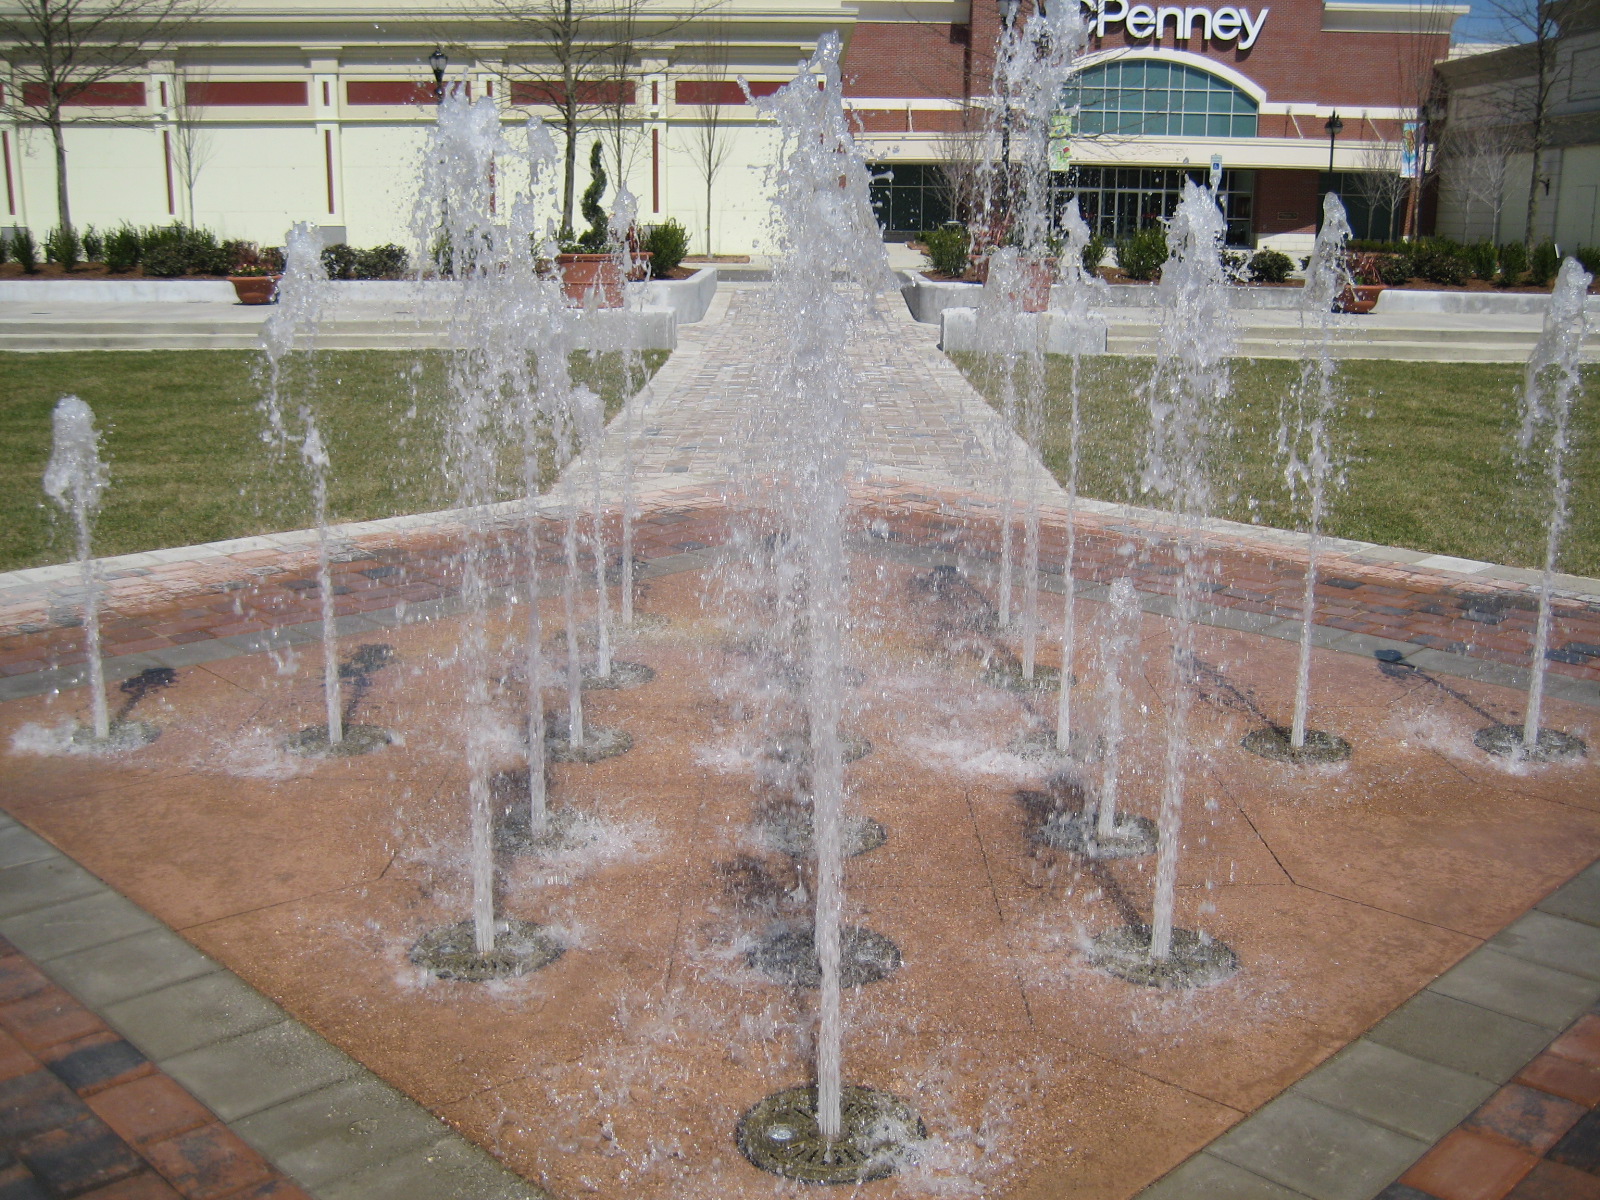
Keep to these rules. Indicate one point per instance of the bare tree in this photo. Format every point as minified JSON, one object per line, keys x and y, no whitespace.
{"x":709,"y":141}
{"x":1475,"y":163}
{"x":580,"y":58}
{"x":1381,"y":182}
{"x":1532,"y":25}
{"x":617,"y":104}
{"x":73,"y":53}
{"x":191,"y":141}
{"x":964,"y":157}
{"x":570,"y":55}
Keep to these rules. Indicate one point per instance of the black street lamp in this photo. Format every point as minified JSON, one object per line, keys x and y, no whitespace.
{"x":1008,"y":16}
{"x":1334,"y":126}
{"x":438,"y":61}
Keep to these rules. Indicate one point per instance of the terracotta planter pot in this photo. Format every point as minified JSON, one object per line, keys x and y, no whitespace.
{"x":1361,"y":298}
{"x":582,"y":274}
{"x":1037,"y":276}
{"x":255,"y":289}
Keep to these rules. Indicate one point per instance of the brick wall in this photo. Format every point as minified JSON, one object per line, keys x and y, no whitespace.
{"x":1286,"y":202}
{"x":1296,"y":62}
{"x":906,"y":61}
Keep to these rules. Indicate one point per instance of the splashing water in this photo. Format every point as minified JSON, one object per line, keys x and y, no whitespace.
{"x":1306,"y":410}
{"x":1034,"y":61}
{"x":624,"y":213}
{"x":1549,"y":387}
{"x":75,"y":478}
{"x":1190,"y":381}
{"x":825,"y":225}
{"x":1116,"y":654}
{"x":1080,"y":289}
{"x":501,"y":395}
{"x":290,"y":332}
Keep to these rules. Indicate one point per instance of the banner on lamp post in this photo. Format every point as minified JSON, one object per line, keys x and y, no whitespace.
{"x":1408,"y":150}
{"x":1061,"y":142}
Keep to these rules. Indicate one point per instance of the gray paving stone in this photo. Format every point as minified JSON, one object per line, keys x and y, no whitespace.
{"x":19,"y":845}
{"x":1462,"y":1036}
{"x":20,"y":687}
{"x":1578,"y":899}
{"x":1207,"y":1177}
{"x":271,"y":639}
{"x":92,"y":920}
{"x":1518,"y":988}
{"x":257,"y":1070}
{"x":193,"y":654}
{"x":1320,"y":1151}
{"x":46,"y":881}
{"x":1407,"y":1094}
{"x":448,"y":1170}
{"x":1238,"y":618}
{"x":355,"y":1124}
{"x":1552,"y":941}
{"x":197,"y":1012}
{"x":127,"y":968}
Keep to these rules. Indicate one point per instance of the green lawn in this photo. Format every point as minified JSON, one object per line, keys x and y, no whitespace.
{"x":183,"y":436}
{"x":1431,"y":462}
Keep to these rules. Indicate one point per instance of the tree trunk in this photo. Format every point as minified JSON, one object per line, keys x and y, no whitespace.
{"x":569,"y":179}
{"x":63,"y":209}
{"x":709,"y":251}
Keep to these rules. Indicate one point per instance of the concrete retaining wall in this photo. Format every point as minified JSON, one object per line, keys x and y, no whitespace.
{"x":689,"y":298}
{"x":1050,"y":332}
{"x":1403,"y":300}
{"x":927,"y":298}
{"x":118,"y":291}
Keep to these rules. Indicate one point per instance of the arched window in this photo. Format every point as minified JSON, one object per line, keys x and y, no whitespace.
{"x":1143,"y":97}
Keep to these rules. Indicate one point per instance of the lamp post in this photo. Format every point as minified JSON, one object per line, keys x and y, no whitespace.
{"x":1334,"y":126}
{"x":1008,"y":17}
{"x":438,"y":61}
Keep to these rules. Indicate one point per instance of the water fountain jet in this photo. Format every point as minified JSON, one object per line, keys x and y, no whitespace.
{"x":1551,"y":384}
{"x":75,"y":478}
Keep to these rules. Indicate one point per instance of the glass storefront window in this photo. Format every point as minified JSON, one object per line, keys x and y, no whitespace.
{"x":1150,"y":98}
{"x":908,"y":198}
{"x":1116,"y":201}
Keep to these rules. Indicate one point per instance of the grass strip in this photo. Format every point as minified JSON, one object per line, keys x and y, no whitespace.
{"x":1429,"y":449}
{"x":183,"y":436}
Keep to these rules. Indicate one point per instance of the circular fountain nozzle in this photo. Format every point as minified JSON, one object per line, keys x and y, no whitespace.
{"x":1552,"y":745}
{"x":1195,"y":960}
{"x":312,"y":741}
{"x":789,"y":957}
{"x":599,"y":741}
{"x":623,"y":675}
{"x":1008,"y":675}
{"x":1131,"y":836}
{"x":520,"y":947}
{"x":1272,"y":741}
{"x":563,"y":829}
{"x":790,"y":833}
{"x":878,"y":1135}
{"x":123,"y":735}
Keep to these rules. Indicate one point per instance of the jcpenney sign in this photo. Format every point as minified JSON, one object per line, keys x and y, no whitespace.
{"x":1142,"y":21}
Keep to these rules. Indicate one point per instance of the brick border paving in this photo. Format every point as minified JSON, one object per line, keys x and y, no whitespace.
{"x":309,"y":1111}
{"x":1521,"y":1007}
{"x":83,"y":1113}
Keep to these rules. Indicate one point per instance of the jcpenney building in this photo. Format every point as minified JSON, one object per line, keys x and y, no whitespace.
{"x":317,"y":110}
{"x":1271,"y":93}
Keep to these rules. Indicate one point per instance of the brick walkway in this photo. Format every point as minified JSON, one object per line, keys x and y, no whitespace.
{"x":83,"y":1114}
{"x":1536,"y":1138}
